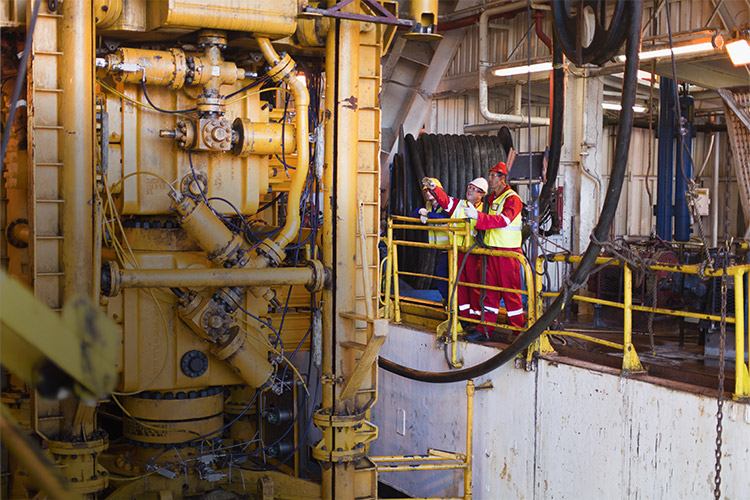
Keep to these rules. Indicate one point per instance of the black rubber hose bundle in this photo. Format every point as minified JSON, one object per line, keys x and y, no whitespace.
{"x":580,"y":275}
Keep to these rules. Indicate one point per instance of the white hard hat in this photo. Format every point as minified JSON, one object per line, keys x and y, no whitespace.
{"x":481,"y":183}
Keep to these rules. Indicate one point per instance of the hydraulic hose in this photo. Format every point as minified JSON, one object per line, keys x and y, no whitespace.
{"x":556,"y":128}
{"x":580,"y":275}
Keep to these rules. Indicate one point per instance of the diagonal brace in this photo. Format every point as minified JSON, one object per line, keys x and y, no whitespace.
{"x":370,"y":354}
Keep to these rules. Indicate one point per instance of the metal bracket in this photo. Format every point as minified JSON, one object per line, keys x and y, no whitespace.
{"x":344,"y":437}
{"x":385,"y":17}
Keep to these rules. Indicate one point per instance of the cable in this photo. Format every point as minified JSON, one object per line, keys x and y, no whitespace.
{"x":600,"y":233}
{"x":157,"y":108}
{"x":20,"y":78}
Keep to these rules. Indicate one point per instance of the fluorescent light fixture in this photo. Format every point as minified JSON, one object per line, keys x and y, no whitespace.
{"x":522,"y":70}
{"x":739,"y":52}
{"x":615,"y":106}
{"x":680,"y":50}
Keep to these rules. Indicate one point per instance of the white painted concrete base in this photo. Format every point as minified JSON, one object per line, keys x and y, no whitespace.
{"x":557,"y":432}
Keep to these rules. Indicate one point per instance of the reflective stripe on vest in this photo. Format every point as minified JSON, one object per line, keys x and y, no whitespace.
{"x":437,"y":237}
{"x":459,"y":213}
{"x":508,"y":236}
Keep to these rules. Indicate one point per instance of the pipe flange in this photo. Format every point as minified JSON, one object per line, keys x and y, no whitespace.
{"x":230,"y":296}
{"x":12,"y":238}
{"x":194,"y":363}
{"x":271,"y":250}
{"x":110,"y":279}
{"x":321,"y":276}
{"x":282,"y":68}
{"x":194,"y":184}
{"x":215,"y":322}
{"x":217,"y":134}
{"x":212,"y":37}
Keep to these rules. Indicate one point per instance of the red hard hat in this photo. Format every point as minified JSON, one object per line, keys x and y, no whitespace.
{"x":500,"y":168}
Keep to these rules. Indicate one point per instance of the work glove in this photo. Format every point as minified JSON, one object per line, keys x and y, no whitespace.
{"x":471,"y":211}
{"x":428,"y":183}
{"x":423,"y":215}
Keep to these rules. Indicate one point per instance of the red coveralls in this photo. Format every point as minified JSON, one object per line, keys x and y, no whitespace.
{"x":502,"y":271}
{"x":468,"y":298}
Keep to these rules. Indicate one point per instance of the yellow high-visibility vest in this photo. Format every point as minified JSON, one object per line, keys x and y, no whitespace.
{"x":508,"y":236}
{"x":437,"y":237}
{"x":459,"y":213}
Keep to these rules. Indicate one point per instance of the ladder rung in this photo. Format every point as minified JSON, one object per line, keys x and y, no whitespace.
{"x":49,"y":127}
{"x":368,"y":140}
{"x":50,"y":237}
{"x":49,"y":164}
{"x":48,"y":52}
{"x":48,"y":90}
{"x":49,"y":201}
{"x":43,"y":14}
{"x":56,"y":273}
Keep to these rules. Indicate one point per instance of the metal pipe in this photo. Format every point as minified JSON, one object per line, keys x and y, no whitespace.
{"x":301,"y":105}
{"x":77,"y":110}
{"x":220,"y":277}
{"x":484,"y":65}
{"x":715,"y":197}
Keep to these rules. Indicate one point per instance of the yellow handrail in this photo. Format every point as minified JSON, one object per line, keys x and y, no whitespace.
{"x":631,"y":362}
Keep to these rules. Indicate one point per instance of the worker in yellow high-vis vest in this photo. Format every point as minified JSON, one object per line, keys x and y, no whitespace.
{"x":432,"y":210}
{"x":468,"y":298}
{"x":502,"y":225}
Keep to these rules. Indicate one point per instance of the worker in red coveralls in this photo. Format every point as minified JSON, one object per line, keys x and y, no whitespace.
{"x":468,"y":298}
{"x":502,"y":225}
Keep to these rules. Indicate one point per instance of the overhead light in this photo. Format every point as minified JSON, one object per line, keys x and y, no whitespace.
{"x":615,"y":106}
{"x":522,"y":70}
{"x":680,"y":50}
{"x":739,"y":52}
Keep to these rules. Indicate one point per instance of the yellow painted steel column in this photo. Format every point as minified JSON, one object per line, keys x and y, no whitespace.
{"x":453,"y":296}
{"x":329,"y":205}
{"x":76,"y":146}
{"x":470,"y":391}
{"x":630,"y":362}
{"x":742,"y":377}
{"x":347,"y":135}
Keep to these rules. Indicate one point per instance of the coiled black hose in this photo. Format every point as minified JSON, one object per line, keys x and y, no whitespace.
{"x":580,"y":275}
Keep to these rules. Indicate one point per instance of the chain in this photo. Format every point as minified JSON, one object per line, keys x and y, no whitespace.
{"x":720,"y":396}
{"x":722,"y":338}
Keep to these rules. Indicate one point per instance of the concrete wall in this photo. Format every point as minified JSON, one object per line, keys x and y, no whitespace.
{"x":558,"y":432}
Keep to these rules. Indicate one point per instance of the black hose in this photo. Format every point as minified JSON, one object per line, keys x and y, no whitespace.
{"x":20,"y":78}
{"x":556,"y":128}
{"x":580,"y":275}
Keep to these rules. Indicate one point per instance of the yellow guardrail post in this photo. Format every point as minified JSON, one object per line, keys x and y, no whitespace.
{"x":389,"y":271}
{"x":630,"y":363}
{"x":396,"y":292}
{"x":541,"y":345}
{"x":742,"y":378}
{"x":453,"y":297}
{"x":470,"y":391}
